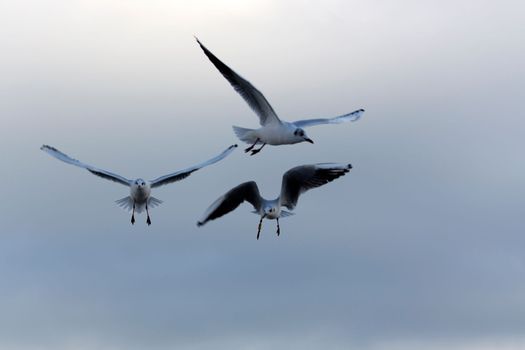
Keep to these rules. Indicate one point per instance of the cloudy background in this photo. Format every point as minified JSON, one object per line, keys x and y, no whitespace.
{"x":422,"y":245}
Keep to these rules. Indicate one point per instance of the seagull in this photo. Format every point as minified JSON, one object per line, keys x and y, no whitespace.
{"x":140,"y":190}
{"x":295,"y":181}
{"x":273,"y":131}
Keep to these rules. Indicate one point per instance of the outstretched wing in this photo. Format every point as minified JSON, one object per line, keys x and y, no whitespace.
{"x":247,"y":191}
{"x":305,"y":177}
{"x":182,"y":174}
{"x":249,"y":93}
{"x":349,"y":117}
{"x":99,"y":172}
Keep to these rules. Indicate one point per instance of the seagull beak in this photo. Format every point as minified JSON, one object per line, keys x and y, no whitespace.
{"x":308,"y":140}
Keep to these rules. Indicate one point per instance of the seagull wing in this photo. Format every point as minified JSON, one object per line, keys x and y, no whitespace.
{"x":182,"y":174}
{"x":247,"y":191}
{"x":305,"y":177}
{"x":249,"y":93}
{"x":99,"y":172}
{"x":349,"y":117}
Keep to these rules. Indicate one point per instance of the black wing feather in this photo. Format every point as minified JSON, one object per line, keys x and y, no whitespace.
{"x":303,"y":178}
{"x":247,"y":191}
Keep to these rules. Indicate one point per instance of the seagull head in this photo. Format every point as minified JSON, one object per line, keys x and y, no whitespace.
{"x":140,"y":183}
{"x":301,"y":135}
{"x":270,"y":212}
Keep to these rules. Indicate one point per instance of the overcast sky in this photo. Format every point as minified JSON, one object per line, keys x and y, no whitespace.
{"x":420,"y":246}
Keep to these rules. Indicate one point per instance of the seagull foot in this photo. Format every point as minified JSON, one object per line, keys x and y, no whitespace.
{"x":254,"y":152}
{"x":133,"y":220}
{"x":148,"y":221}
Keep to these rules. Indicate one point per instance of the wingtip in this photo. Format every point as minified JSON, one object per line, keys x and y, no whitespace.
{"x":349,"y":166}
{"x":358,"y":114}
{"x":197,"y":39}
{"x":47,"y":148}
{"x":200,"y":223}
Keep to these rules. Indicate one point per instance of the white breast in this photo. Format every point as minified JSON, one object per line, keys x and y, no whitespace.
{"x":140,"y":194}
{"x":277,"y":134}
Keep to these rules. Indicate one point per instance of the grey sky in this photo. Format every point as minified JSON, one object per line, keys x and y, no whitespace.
{"x":420,"y":246}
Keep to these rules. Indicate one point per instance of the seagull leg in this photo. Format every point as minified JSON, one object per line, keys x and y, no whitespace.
{"x":255,"y":151}
{"x":259,"y":228}
{"x":133,"y":215}
{"x":251,"y":147}
{"x":278,"y":228}
{"x":148,"y":220}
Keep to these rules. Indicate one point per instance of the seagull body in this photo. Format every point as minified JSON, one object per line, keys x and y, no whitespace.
{"x":273,"y":131}
{"x":295,"y":181}
{"x":139,"y":198}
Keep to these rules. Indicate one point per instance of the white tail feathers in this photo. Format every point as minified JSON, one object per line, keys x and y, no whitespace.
{"x":153,"y":202}
{"x":285,"y":214}
{"x":245,"y":135}
{"x":126,"y":203}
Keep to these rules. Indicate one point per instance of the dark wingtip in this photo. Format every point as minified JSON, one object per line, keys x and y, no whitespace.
{"x":198,"y":41}
{"x":200,"y":223}
{"x":44,"y":147}
{"x":234,"y":146}
{"x":349,"y":166}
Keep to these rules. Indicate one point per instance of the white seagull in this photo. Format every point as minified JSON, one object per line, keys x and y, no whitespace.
{"x":140,"y":190}
{"x":295,"y":181}
{"x":273,"y":131}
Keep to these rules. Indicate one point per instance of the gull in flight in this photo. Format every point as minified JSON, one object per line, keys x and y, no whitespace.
{"x":140,"y":198}
{"x":295,"y":181}
{"x":273,"y":131}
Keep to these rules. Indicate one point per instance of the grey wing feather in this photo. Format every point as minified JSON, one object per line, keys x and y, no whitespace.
{"x":349,"y":117}
{"x":247,"y":191}
{"x":248,"y":92}
{"x":182,"y":174}
{"x":96,"y":171}
{"x":303,"y":178}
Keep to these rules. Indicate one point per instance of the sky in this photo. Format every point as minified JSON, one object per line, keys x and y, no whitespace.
{"x":421,"y":245}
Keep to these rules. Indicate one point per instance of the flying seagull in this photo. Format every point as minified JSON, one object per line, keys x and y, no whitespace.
{"x":140,"y":190}
{"x":273,"y":131}
{"x":295,"y":181}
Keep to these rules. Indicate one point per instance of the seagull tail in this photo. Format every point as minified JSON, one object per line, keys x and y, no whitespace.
{"x":153,"y":202}
{"x":245,"y":135}
{"x":126,"y":203}
{"x":285,"y":214}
